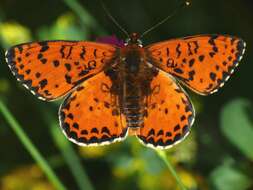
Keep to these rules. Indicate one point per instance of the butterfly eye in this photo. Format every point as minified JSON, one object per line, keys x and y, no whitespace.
{"x":133,"y":41}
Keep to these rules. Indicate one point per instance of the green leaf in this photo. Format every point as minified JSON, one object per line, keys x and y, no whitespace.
{"x":226,"y":177}
{"x":237,"y":126}
{"x":65,"y":28}
{"x":12,"y":33}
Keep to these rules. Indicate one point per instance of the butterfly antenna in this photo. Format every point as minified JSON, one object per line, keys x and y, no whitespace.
{"x":113,"y":19}
{"x":181,"y":5}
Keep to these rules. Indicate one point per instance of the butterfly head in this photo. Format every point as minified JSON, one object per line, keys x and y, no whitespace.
{"x":134,"y":39}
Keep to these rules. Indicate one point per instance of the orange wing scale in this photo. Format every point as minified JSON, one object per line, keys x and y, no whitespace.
{"x":170,"y":114}
{"x":201,"y":62}
{"x":50,"y":69}
{"x":90,"y":115}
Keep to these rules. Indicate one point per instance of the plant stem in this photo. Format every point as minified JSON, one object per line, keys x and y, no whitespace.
{"x":30,"y":147}
{"x":71,"y":159}
{"x":69,"y":154}
{"x":163,"y":156}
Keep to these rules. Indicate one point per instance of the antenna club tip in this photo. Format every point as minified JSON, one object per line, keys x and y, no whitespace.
{"x":187,"y":3}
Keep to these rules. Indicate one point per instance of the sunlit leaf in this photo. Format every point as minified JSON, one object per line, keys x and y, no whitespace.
{"x":226,"y":177}
{"x":12,"y":33}
{"x":65,"y":28}
{"x":237,"y":126}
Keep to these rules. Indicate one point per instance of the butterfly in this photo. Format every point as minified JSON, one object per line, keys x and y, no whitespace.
{"x":112,"y":91}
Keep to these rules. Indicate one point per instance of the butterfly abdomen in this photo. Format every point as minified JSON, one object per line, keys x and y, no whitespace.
{"x":133,"y":111}
{"x":132,"y":101}
{"x":132,"y":94}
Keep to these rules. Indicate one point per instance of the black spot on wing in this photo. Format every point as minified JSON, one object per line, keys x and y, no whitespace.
{"x":191,"y":62}
{"x":82,"y":54}
{"x":44,"y":46}
{"x":178,"y":50}
{"x":201,"y":58}
{"x":68,"y":78}
{"x":179,"y":71}
{"x":69,"y":53}
{"x":56,"y":63}
{"x":67,"y":66}
{"x":43,"y":83}
{"x":212,"y":76}
{"x":62,"y":51}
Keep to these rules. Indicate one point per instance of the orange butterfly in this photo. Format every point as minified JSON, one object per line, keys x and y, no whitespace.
{"x":112,"y":91}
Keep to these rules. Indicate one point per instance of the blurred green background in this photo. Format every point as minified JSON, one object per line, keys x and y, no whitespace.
{"x":218,"y":154}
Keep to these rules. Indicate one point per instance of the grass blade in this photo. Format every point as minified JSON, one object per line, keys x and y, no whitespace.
{"x":71,"y":158}
{"x":84,"y":16}
{"x":31,"y":148}
{"x":69,"y":154}
{"x":163,"y":156}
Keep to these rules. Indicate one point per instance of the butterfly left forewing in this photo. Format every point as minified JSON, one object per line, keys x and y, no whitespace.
{"x":50,"y":69}
{"x":201,"y":62}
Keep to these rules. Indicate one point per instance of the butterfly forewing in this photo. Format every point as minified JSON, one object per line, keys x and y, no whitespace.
{"x":201,"y":62}
{"x":50,"y":69}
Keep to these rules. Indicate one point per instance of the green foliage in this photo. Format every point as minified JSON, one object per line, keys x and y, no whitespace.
{"x":84,"y":16}
{"x":227,"y":177}
{"x":65,"y":28}
{"x":237,"y":125}
{"x":12,"y":33}
{"x":30,"y":147}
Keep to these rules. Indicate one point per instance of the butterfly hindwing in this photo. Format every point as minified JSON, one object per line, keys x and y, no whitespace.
{"x":50,"y":69}
{"x":201,"y":62}
{"x":169,"y":114}
{"x":90,"y":115}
